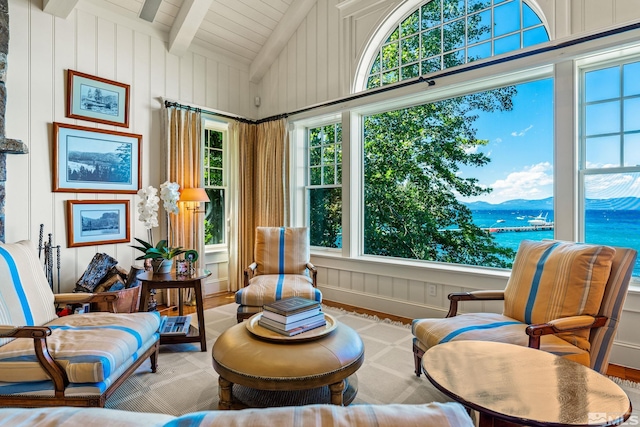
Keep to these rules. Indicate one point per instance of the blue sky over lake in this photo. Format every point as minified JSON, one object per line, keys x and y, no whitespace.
{"x":520,"y":147}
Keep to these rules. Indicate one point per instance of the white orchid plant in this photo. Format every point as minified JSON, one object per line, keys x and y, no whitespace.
{"x":148,"y":207}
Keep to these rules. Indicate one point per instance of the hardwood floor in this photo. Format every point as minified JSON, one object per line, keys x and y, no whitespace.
{"x":217,"y":300}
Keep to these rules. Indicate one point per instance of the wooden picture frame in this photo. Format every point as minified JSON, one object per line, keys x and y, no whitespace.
{"x":97,"y":100}
{"x":90,"y":160}
{"x":97,"y":222}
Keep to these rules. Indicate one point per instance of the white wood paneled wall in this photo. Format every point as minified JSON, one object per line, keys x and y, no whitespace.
{"x":42,"y":47}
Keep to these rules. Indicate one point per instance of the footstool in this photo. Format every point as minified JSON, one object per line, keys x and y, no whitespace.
{"x":300,"y":372}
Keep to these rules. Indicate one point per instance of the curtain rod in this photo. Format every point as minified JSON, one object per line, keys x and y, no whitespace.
{"x":313,"y":107}
{"x":430,"y":81}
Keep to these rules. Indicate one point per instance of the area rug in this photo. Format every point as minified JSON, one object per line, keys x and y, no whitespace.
{"x":186,"y":382}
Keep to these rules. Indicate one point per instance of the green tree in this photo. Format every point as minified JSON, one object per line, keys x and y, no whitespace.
{"x":412,"y":187}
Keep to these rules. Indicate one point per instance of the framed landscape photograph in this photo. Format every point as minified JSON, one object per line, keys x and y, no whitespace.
{"x":97,"y":222}
{"x":97,"y":99}
{"x":89,"y":160}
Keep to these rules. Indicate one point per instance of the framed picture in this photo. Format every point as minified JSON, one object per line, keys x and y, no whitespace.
{"x":97,"y":222}
{"x":97,"y":99}
{"x":90,"y":160}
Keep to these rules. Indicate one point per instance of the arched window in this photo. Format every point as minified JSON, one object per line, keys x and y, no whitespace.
{"x":444,"y":33}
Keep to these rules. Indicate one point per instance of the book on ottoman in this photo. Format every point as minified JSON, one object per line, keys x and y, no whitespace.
{"x":291,"y":310}
{"x":306,"y":326}
{"x":264,"y":321}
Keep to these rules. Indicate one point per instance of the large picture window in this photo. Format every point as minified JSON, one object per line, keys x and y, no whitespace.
{"x":461,"y":180}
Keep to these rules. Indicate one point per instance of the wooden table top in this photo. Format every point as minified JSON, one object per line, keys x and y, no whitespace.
{"x":524,"y":385}
{"x":150,"y":276}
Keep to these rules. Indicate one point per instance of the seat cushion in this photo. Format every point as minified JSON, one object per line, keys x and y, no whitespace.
{"x":89,"y":347}
{"x":551,"y":280}
{"x":281,"y":250}
{"x":489,"y":327}
{"x":272,"y":287}
{"x":450,"y":414}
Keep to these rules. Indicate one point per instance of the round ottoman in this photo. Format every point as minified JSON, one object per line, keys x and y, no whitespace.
{"x":300,"y":372}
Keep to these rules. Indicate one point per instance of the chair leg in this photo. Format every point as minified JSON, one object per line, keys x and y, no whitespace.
{"x":417,"y":359}
{"x":154,"y":358}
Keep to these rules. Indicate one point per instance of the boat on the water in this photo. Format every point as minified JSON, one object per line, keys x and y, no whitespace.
{"x":519,"y":217}
{"x":540,"y":220}
{"x":500,"y":221}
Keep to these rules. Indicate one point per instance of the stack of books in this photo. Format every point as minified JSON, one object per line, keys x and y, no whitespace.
{"x":292,"y":316}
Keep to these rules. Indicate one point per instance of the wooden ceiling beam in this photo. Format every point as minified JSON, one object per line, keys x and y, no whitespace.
{"x":294,"y":16}
{"x":59,"y":8}
{"x":186,"y":25}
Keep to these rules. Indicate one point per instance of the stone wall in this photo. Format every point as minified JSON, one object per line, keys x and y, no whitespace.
{"x":7,"y":146}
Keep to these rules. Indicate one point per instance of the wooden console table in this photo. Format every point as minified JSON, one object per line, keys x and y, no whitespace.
{"x":150,"y":280}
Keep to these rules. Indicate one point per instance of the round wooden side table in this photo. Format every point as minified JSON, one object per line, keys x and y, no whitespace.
{"x":150,"y":280}
{"x":514,"y":385}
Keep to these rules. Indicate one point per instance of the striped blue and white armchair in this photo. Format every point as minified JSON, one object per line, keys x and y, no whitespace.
{"x":75,"y":360}
{"x":562,"y":297}
{"x":281,"y":269}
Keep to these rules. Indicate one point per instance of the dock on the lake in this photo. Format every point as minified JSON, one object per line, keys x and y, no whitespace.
{"x":545,"y":227}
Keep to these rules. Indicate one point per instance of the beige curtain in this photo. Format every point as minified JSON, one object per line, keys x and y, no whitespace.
{"x":243,"y":222}
{"x":184,"y":166}
{"x":263,"y":195}
{"x":272,"y":174}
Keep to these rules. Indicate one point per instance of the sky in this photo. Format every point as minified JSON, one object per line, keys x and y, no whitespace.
{"x":520,"y":147}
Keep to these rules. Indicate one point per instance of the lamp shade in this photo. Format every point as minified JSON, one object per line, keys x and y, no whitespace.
{"x":193,"y":195}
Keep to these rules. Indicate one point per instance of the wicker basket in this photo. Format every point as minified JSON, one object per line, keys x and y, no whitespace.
{"x":127,"y":302}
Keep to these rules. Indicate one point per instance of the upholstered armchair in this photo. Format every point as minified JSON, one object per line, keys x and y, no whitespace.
{"x":281,"y":269}
{"x":75,"y":360}
{"x":562,"y":297}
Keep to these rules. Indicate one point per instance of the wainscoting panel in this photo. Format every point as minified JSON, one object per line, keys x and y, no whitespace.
{"x":399,"y":291}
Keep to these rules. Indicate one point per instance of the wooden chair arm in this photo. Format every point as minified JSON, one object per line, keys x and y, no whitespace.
{"x":471,"y":296}
{"x":249,"y":272}
{"x":39,"y":335}
{"x":566,"y":324}
{"x":314,"y":274}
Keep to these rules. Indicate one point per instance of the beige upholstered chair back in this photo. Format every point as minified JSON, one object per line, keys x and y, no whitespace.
{"x":601,"y":339}
{"x":25,"y":296}
{"x":281,"y":250}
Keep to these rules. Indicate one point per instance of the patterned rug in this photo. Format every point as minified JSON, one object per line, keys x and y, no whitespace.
{"x":186,"y":382}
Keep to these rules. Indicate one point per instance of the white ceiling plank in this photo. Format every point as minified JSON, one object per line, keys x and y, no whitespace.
{"x":59,"y":8}
{"x":186,"y":25}
{"x":289,"y":23}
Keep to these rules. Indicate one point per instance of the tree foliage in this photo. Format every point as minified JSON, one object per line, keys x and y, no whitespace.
{"x":411,"y":183}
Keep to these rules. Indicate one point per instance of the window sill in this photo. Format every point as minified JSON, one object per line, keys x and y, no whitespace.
{"x":425,"y":271}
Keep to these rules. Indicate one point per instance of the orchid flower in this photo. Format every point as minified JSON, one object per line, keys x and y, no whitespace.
{"x":148,"y":207}
{"x":170,"y":195}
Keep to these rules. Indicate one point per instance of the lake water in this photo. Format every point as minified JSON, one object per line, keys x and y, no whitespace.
{"x":616,"y":228}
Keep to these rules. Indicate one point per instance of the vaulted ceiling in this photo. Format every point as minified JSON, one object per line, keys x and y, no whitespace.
{"x":251,"y":31}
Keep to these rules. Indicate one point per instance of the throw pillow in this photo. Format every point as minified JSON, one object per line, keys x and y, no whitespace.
{"x":552,"y":279}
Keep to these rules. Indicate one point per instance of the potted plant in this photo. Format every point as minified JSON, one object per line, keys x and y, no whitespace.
{"x":162,"y":255}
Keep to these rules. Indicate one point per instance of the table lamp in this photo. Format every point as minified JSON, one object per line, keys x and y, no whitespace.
{"x":193,"y":196}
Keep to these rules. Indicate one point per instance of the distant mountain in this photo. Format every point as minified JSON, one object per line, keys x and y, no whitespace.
{"x":515,"y":205}
{"x":623,"y":203}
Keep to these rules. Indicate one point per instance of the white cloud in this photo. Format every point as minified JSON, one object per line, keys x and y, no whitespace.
{"x":472,"y":149}
{"x":522,"y":132}
{"x":612,"y":185}
{"x":532,"y":182}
